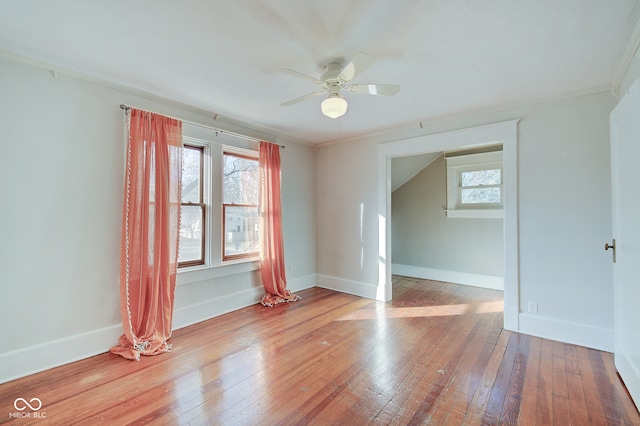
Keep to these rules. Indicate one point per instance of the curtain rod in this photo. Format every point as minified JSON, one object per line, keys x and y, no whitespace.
{"x":226,"y":132}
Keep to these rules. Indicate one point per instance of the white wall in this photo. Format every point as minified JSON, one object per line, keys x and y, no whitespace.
{"x":61,"y":169}
{"x":436,"y":246}
{"x":347,"y":223}
{"x":564,"y":204}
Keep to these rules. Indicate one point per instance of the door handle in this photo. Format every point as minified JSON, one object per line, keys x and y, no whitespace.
{"x":612,"y":247}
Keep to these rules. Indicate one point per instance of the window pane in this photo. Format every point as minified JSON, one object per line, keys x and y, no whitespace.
{"x":240,"y":230}
{"x":190,"y":248}
{"x":240,"y":180}
{"x":480,"y":177}
{"x":191,"y":174}
{"x":480,"y":195}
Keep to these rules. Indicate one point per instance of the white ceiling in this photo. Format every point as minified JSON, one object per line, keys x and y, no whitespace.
{"x":451,"y":57}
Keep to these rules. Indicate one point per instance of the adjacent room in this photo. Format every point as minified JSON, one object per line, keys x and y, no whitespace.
{"x":281,"y":212}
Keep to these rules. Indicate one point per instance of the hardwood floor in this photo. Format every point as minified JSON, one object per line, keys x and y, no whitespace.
{"x":435,"y":355}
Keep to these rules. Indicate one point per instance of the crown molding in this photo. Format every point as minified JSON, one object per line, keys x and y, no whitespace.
{"x":627,"y":58}
{"x":209,"y":118}
{"x":398,"y":132}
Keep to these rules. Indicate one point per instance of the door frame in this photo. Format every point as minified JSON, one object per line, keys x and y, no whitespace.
{"x":505,"y":133}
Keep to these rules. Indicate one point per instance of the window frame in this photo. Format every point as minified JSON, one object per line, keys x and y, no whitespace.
{"x":459,"y":164}
{"x":191,"y":144}
{"x":248,"y":155}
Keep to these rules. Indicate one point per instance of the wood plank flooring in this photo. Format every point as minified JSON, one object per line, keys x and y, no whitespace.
{"x":435,"y":355}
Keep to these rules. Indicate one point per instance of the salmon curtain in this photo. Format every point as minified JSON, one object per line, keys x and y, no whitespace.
{"x":272,"y":268}
{"x":149,"y":243}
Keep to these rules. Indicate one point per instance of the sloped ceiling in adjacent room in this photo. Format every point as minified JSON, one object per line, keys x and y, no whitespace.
{"x":403,"y":169}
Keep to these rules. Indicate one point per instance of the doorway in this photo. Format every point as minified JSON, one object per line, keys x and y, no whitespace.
{"x":446,"y":212}
{"x":504,"y":133}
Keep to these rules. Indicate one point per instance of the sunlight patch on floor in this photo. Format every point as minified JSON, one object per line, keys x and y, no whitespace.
{"x":425,"y":311}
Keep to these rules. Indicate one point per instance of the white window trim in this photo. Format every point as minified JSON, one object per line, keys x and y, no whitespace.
{"x":206,"y":199}
{"x":461,"y":163}
{"x":247,"y":153}
{"x":240,"y":151}
{"x":215,"y":144}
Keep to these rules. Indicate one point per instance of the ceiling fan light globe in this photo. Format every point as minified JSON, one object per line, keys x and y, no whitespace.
{"x":334,"y":106}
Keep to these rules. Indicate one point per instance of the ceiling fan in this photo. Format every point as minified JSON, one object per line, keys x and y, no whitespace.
{"x":337,"y":78}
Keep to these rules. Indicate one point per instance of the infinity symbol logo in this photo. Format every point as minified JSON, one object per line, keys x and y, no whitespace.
{"x":21,"y":404}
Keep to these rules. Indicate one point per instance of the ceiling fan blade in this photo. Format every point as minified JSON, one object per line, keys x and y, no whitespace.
{"x":300,"y":75}
{"x":374,"y":89}
{"x":302,"y":98}
{"x":358,"y":64}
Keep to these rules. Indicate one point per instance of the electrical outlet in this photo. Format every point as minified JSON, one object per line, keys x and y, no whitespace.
{"x":533,"y":307}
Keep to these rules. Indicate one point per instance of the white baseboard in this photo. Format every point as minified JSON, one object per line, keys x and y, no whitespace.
{"x":46,"y":355}
{"x":202,"y":311}
{"x":569,"y":332}
{"x":211,"y":308}
{"x":356,"y":288}
{"x":302,"y":283}
{"x":43,"y":356}
{"x":476,"y":280}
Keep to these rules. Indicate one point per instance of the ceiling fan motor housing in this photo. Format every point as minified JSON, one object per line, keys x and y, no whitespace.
{"x":330,"y":80}
{"x":331,"y":72}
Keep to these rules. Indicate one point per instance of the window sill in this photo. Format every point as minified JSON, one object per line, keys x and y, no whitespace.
{"x":196,"y":274}
{"x":476,"y":213}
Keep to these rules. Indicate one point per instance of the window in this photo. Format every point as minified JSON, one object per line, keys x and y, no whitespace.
{"x":480,"y":187}
{"x":219,"y":206}
{"x":193,"y":209}
{"x":474,"y":185}
{"x":240,"y":186}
